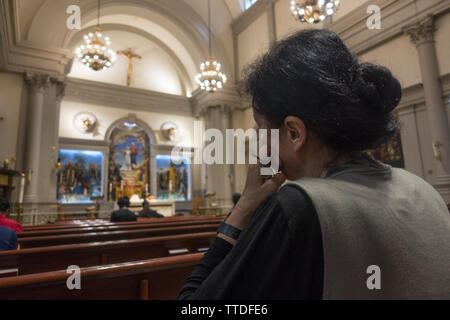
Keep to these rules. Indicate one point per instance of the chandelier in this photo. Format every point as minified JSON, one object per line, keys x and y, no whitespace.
{"x":210,"y":77}
{"x":313,"y":11}
{"x":95,"y":52}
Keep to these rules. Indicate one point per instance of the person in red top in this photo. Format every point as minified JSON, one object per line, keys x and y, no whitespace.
{"x":5,"y":222}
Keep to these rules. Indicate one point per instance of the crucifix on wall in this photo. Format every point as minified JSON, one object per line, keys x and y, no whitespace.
{"x":129,"y":55}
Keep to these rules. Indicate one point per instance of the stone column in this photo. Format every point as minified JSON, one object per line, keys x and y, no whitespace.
{"x":218,"y":176}
{"x":422,"y":35}
{"x":37,"y":87}
{"x":153,"y":176}
{"x":60,"y":88}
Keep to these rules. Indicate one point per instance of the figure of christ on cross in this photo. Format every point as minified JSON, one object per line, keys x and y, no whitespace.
{"x":129,"y":55}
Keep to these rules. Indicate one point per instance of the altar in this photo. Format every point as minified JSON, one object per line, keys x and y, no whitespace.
{"x":166,"y":208}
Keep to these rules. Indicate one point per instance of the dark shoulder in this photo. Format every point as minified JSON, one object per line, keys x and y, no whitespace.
{"x":297,"y":207}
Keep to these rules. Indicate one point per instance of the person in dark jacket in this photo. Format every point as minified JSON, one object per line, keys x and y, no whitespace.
{"x":8,"y":239}
{"x":123,"y":214}
{"x":147,"y":212}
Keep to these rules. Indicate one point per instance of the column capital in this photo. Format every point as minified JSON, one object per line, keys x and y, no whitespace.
{"x":227,"y":99}
{"x":60,"y":89}
{"x":422,"y":31}
{"x":38,"y":83}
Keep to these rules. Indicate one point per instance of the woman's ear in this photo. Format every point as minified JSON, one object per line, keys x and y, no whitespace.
{"x":295,"y":131}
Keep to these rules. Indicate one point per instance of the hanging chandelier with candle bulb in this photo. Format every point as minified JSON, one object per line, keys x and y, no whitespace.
{"x":95,"y":52}
{"x":313,"y":11}
{"x":210,"y":77}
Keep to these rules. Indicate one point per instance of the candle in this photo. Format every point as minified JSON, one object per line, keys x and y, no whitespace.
{"x":22,"y":188}
{"x":146,"y":187}
{"x":110,"y":187}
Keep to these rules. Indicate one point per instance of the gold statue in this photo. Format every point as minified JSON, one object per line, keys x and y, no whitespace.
{"x":129,"y":55}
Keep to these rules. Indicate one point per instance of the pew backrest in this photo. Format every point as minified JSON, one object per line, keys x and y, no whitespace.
{"x":45,"y":259}
{"x":160,"y":279}
{"x":142,"y":225}
{"x":45,"y":241}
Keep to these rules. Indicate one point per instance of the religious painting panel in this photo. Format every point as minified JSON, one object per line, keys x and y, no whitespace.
{"x":173,"y":178}
{"x":129,"y":163}
{"x":79,"y":180}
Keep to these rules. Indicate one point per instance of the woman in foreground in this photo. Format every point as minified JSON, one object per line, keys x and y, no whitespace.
{"x":347,"y":226}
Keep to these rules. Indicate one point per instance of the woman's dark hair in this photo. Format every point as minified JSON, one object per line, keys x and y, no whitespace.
{"x":314,"y":76}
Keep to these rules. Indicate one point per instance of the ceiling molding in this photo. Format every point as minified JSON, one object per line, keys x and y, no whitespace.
{"x":116,"y":96}
{"x":25,"y":56}
{"x":396,"y":15}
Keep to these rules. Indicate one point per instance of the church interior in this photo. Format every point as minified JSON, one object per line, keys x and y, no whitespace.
{"x":96,"y":95}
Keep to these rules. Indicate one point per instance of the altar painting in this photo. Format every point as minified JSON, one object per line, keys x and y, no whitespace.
{"x":129,"y":163}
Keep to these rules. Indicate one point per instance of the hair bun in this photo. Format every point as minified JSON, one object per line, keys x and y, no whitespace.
{"x":378,"y":87}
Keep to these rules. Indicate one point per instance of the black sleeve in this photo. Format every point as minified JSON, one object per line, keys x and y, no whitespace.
{"x":278,"y":255}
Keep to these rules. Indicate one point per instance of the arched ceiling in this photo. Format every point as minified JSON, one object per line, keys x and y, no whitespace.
{"x":178,"y":27}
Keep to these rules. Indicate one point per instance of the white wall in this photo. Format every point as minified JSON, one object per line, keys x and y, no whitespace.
{"x":253,"y":41}
{"x":106,"y":116}
{"x":442,"y":37}
{"x":401,"y":57}
{"x":11,"y":100}
{"x":156,"y":71}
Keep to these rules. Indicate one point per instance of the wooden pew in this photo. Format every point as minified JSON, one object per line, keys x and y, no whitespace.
{"x":160,"y":278}
{"x":107,"y":223}
{"x":45,"y":241}
{"x":45,"y":259}
{"x":119,"y":227}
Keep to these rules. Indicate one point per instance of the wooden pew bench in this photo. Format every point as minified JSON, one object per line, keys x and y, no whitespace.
{"x":118,"y":227}
{"x":160,"y":278}
{"x":45,"y":241}
{"x":45,"y":259}
{"x":106,"y":224}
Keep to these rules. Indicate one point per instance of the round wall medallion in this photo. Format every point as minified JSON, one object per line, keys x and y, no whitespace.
{"x":85,"y":122}
{"x":170,"y":131}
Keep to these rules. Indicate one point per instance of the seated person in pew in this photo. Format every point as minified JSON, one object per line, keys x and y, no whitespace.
{"x":8,"y":239}
{"x":4,"y":221}
{"x":346,"y":226}
{"x":147,"y":212}
{"x":123,"y":214}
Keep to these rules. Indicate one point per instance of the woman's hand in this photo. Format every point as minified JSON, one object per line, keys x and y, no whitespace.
{"x":257,"y":188}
